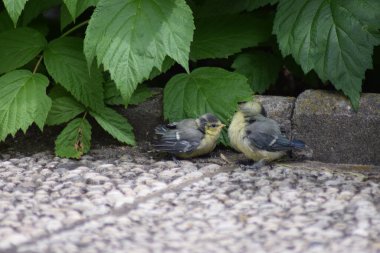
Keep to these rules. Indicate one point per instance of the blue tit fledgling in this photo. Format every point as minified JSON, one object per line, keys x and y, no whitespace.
{"x":189,"y":137}
{"x":258,"y":137}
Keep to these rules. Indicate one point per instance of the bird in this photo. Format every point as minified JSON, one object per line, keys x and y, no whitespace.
{"x":259,"y":138}
{"x":189,"y":137}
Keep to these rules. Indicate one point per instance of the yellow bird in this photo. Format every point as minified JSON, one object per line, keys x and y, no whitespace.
{"x":189,"y":137}
{"x":258,"y":137}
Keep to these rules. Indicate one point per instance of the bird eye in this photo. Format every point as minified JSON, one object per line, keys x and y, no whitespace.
{"x":213,"y":125}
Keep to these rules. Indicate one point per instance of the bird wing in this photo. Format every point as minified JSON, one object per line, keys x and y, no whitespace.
{"x":178,"y":139}
{"x":266,"y":135}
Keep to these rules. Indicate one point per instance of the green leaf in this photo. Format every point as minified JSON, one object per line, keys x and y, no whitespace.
{"x":222,"y":7}
{"x":205,"y":90}
{"x":260,"y":68}
{"x":131,"y":37}
{"x":112,"y":95}
{"x":65,"y":62}
{"x":18,"y":47}
{"x":115,"y":124}
{"x":63,"y":110}
{"x":14,"y":8}
{"x":141,"y":94}
{"x":166,"y":65}
{"x":34,"y":8}
{"x":222,"y":36}
{"x":74,"y":8}
{"x":5,"y":22}
{"x":58,"y":91}
{"x":74,"y":140}
{"x":333,"y":37}
{"x":23,"y":100}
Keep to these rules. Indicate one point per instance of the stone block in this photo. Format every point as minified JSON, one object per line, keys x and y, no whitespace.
{"x":327,"y":123}
{"x":280,"y":109}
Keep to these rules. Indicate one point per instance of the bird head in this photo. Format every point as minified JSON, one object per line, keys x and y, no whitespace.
{"x":210,"y":124}
{"x":252,"y":109}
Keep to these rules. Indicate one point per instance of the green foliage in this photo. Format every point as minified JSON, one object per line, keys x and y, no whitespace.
{"x":260,"y":68}
{"x":128,"y":44}
{"x":74,"y":140}
{"x":131,"y":37}
{"x":63,"y":110}
{"x":205,"y":90}
{"x":18,"y":47}
{"x":65,"y":62}
{"x":332,"y":37}
{"x":222,"y":36}
{"x":14,"y":8}
{"x":23,"y":101}
{"x":115,"y":125}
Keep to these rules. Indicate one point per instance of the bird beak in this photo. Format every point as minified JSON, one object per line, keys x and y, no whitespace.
{"x":222,"y":125}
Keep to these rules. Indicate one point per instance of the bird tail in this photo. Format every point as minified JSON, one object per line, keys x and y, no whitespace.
{"x":297,"y":144}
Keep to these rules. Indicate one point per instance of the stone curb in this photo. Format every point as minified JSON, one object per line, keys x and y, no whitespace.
{"x":325,"y":120}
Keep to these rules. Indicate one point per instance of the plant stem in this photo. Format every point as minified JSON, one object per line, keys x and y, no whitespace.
{"x":75,"y":28}
{"x":37,"y":64}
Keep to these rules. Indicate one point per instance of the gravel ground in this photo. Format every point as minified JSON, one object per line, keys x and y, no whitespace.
{"x":134,"y":203}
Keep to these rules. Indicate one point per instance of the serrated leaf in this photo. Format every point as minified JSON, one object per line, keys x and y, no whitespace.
{"x":74,"y":140}
{"x":63,"y":110}
{"x":222,"y":36}
{"x":23,"y":101}
{"x":141,"y":94}
{"x":222,"y":7}
{"x":74,"y":8}
{"x":260,"y":68}
{"x":18,"y":47}
{"x":114,"y":124}
{"x":58,"y":91}
{"x":66,"y":63}
{"x":14,"y":8}
{"x":131,"y":37}
{"x":34,"y":8}
{"x":112,"y":95}
{"x":5,"y":22}
{"x":331,"y":37}
{"x":205,"y":90}
{"x":166,"y":65}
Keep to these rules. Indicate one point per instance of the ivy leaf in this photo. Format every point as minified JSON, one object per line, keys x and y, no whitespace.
{"x":213,"y":90}
{"x":131,"y":37}
{"x":114,"y":124}
{"x":74,"y":140}
{"x":18,"y":47}
{"x":260,"y":68}
{"x":222,"y":7}
{"x":14,"y":8}
{"x":333,"y":37}
{"x":65,"y":62}
{"x":23,"y":100}
{"x":73,"y":9}
{"x":222,"y":36}
{"x":63,"y":110}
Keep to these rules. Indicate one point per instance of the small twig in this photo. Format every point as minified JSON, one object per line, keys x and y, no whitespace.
{"x":75,"y":28}
{"x":37,"y":64}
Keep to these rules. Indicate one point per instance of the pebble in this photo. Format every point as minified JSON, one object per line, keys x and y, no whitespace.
{"x":181,"y":207}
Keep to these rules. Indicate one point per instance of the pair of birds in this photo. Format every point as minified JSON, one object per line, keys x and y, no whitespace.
{"x":250,"y":132}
